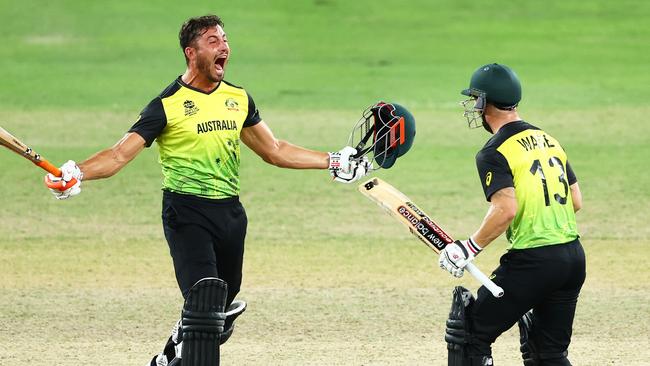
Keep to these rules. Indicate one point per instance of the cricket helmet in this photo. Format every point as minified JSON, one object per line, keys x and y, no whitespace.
{"x":392,"y":129}
{"x":492,"y":83}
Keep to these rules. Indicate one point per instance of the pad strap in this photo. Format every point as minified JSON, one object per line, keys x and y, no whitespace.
{"x":529,"y":348}
{"x":234,"y":310}
{"x":210,"y":322}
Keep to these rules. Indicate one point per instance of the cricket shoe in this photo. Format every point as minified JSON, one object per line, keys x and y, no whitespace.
{"x":159,"y":360}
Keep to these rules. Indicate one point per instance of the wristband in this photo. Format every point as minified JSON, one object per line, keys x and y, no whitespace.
{"x":335,"y":161}
{"x":473,"y":247}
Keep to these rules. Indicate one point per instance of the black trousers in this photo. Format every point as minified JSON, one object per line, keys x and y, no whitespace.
{"x":206,"y":239}
{"x":546,"y":279}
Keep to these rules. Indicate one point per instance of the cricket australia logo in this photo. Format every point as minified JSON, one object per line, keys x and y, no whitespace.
{"x":232,"y":104}
{"x":190,"y":108}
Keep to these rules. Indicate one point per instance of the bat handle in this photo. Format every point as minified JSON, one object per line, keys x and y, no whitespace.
{"x":484,"y":280}
{"x":60,"y":185}
{"x":47,"y":166}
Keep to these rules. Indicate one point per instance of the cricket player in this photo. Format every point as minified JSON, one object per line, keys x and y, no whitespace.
{"x":533,"y":195}
{"x":198,"y":122}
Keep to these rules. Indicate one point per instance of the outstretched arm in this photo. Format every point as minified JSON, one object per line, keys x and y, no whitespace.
{"x":109,"y":161}
{"x":101,"y":165}
{"x":260,"y":139}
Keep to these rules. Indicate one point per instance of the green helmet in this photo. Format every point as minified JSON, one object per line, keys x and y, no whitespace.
{"x":394,"y":134}
{"x":384,"y":133}
{"x":495,"y":84}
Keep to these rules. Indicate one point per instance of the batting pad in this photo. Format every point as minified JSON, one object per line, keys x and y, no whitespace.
{"x":203,"y":320}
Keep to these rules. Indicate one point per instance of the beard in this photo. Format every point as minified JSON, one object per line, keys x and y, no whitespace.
{"x":206,"y":67}
{"x":485,"y":124}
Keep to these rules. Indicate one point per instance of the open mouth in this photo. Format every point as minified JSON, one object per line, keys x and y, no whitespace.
{"x":220,"y":62}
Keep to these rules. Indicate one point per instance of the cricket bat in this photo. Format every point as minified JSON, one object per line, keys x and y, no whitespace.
{"x":12,"y":143}
{"x":398,"y":205}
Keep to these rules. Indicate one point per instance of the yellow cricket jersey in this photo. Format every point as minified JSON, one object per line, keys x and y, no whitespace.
{"x":198,"y":137}
{"x":522,"y":156}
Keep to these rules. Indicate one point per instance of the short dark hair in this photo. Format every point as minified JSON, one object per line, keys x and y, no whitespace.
{"x":194,"y":27}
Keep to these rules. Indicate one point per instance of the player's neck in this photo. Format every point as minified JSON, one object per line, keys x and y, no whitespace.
{"x":194,"y":79}
{"x":502,"y":119}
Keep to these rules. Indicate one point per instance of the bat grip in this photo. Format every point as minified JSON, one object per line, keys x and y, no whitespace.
{"x":60,"y":185}
{"x":484,"y":280}
{"x":47,"y":166}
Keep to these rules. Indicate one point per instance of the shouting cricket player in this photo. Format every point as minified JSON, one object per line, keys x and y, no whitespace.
{"x":533,"y":195}
{"x":198,"y":122}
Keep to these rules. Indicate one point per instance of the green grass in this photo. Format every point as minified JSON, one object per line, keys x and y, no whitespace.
{"x":327,"y":54}
{"x":328,"y":277}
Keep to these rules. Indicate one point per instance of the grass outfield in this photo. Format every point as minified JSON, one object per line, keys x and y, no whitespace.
{"x":330,"y":280}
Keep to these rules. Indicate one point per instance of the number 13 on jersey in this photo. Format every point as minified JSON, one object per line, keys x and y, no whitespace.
{"x":553,"y":162}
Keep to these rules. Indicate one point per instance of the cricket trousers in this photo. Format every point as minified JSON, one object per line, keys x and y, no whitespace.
{"x":546,"y":279}
{"x":206,"y":239}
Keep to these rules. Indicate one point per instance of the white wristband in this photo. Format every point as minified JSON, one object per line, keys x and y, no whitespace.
{"x":335,"y":161}
{"x":473,"y":247}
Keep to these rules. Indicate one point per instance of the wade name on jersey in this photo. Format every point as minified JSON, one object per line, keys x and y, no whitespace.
{"x":535,"y":142}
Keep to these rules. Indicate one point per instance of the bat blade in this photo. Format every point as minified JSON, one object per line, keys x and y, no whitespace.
{"x":406,"y":212}
{"x":12,"y":143}
{"x":398,"y":205}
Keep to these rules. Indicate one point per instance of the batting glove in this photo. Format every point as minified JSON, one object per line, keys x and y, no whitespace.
{"x":69,"y":170}
{"x":457,"y":255}
{"x":358,"y":169}
{"x":340,"y":160}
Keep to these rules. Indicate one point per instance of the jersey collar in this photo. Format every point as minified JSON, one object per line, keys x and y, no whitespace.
{"x":183,"y":84}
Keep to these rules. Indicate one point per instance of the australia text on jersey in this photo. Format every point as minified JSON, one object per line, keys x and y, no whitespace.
{"x":216,"y":125}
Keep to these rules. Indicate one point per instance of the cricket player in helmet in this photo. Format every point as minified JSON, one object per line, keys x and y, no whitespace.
{"x":533,"y":195}
{"x":496,"y":83}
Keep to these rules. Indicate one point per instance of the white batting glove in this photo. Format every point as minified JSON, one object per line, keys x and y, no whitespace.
{"x":69,"y":170}
{"x":358,"y":169}
{"x":457,"y":255}
{"x":340,"y":160}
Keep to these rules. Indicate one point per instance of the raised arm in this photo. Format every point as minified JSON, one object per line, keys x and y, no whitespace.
{"x":340,"y":164}
{"x":109,"y":161}
{"x":101,"y":165}
{"x":106,"y":163}
{"x":260,"y":139}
